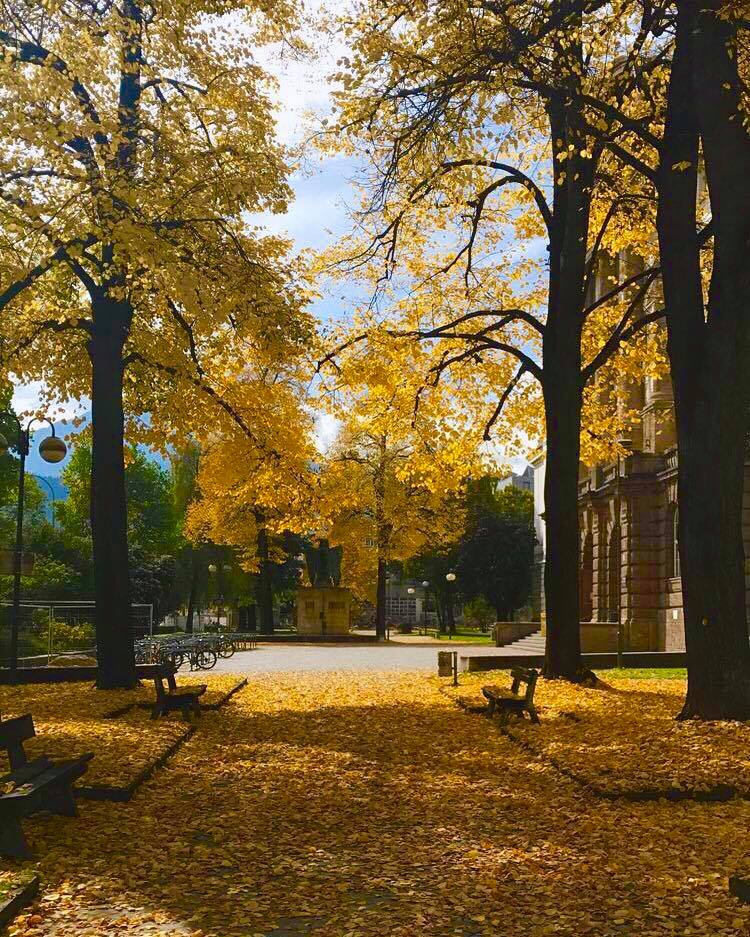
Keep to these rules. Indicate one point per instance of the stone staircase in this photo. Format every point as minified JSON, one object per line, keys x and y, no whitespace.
{"x":531,"y":644}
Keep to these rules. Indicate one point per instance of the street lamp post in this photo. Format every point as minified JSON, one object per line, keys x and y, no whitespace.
{"x":450,"y":578}
{"x":410,"y":592}
{"x":211,"y":571}
{"x":52,"y":449}
{"x":425,"y":586}
{"x":387,"y":616}
{"x":41,"y":478}
{"x":213,"y":568}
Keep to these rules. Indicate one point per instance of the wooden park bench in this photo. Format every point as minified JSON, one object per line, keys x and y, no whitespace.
{"x":500,"y":700}
{"x":173,"y":698}
{"x":31,"y":786}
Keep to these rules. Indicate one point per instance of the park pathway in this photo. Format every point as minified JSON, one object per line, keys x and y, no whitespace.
{"x":368,"y":805}
{"x":374,"y":658}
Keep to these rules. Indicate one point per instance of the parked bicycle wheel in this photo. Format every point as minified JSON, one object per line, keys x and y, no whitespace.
{"x":203,"y":658}
{"x":225,"y":648}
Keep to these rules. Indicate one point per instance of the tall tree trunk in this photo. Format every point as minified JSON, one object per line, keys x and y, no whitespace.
{"x":708,"y":357}
{"x":563,"y":633}
{"x":450,"y":612}
{"x":380,"y":600}
{"x":574,"y":173}
{"x":193,"y":594}
{"x":114,"y":629}
{"x":265,"y":585}
{"x":383,"y":539}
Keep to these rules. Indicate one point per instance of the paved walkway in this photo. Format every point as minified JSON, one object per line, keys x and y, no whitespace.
{"x":276,"y":658}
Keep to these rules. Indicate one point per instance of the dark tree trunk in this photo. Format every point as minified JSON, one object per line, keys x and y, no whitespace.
{"x":450,"y":616}
{"x":383,"y":531}
{"x":708,"y":357}
{"x":440,"y":611}
{"x":265,"y":584}
{"x":193,"y":594}
{"x":380,"y":600}
{"x":563,"y":634}
{"x":109,"y":531}
{"x":562,"y":385}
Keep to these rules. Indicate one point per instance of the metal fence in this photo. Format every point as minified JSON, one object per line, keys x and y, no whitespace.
{"x":46,"y":629}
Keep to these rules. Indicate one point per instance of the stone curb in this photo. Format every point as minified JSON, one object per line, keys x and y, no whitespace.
{"x":128,"y":707}
{"x":227,"y":696}
{"x":12,"y":907}
{"x":124,"y":794}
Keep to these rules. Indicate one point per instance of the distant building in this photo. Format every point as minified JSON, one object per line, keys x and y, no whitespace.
{"x":402,"y":606}
{"x":629,"y":562}
{"x":525,"y":480}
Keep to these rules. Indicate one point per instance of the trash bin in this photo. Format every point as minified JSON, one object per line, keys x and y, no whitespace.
{"x":445,"y":663}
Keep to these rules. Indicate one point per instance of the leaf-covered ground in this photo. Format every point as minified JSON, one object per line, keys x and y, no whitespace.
{"x":73,"y":718}
{"x":356,"y":805}
{"x":626,"y":740}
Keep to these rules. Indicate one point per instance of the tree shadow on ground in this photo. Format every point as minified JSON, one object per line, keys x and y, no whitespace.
{"x":379,"y":818}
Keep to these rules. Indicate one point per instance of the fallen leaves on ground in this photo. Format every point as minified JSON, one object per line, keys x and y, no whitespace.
{"x":73,"y":718}
{"x":356,"y":805}
{"x":626,"y":739}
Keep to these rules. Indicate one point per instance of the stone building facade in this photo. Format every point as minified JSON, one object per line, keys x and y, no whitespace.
{"x":629,"y":576}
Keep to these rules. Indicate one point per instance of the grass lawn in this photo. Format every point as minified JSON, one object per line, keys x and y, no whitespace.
{"x":643,"y":673}
{"x":473,"y":637}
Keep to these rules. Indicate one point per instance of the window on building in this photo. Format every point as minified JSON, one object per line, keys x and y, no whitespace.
{"x":614,"y":584}
{"x":673,"y":544}
{"x":401,"y":608}
{"x":586,"y":578}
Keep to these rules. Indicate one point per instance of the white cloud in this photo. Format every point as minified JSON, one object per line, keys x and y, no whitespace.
{"x":33,"y":397}
{"x":326,"y":430}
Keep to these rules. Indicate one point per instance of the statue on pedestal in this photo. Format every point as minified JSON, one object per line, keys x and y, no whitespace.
{"x":323,"y":607}
{"x":323,"y":564}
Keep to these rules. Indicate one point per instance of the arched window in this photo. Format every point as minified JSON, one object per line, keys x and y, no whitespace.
{"x":586,"y":578}
{"x":673,"y":544}
{"x":613,"y":574}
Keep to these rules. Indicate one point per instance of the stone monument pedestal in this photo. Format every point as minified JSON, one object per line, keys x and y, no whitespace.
{"x":323,"y":610}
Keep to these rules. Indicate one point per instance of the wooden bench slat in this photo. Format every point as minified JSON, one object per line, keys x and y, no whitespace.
{"x":512,"y":700}
{"x":40,"y":784}
{"x":30,"y":770}
{"x":62,"y":772}
{"x":16,"y":731}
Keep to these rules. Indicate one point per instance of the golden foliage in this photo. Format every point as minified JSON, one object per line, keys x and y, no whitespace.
{"x":448,"y":112}
{"x":133,"y":148}
{"x":390,"y":482}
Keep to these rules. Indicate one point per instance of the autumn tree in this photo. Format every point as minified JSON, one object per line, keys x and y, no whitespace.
{"x":492,"y":204}
{"x":389,"y":482}
{"x":254,"y":486}
{"x":683,"y":129}
{"x":184,"y":468}
{"x":135,"y":138}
